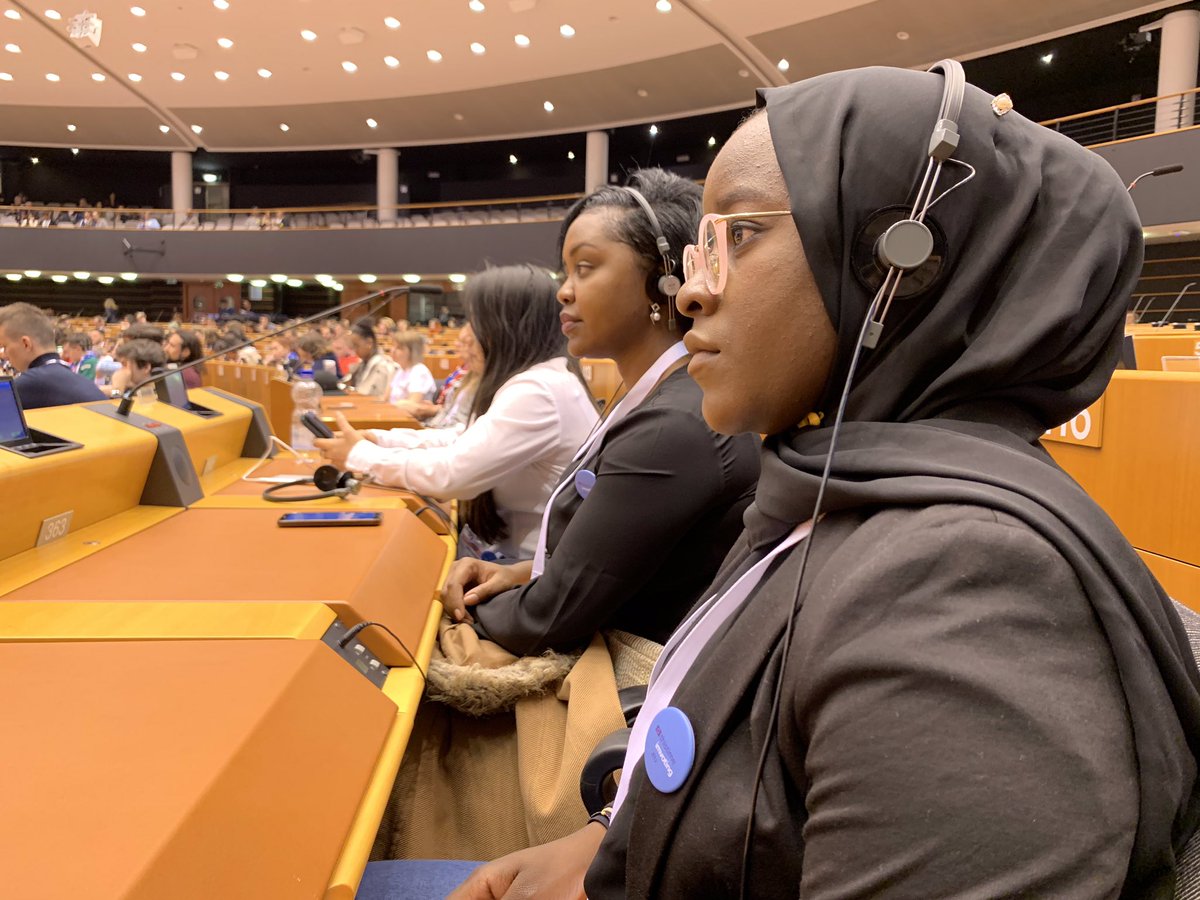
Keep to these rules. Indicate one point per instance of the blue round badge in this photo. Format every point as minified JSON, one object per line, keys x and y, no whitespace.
{"x":584,"y":482}
{"x":670,"y":750}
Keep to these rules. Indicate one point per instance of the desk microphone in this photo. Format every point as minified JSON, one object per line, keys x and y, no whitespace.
{"x":1178,"y":297}
{"x":126,"y":404}
{"x":1154,"y":173}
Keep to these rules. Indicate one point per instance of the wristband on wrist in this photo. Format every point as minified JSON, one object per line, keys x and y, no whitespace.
{"x":604,"y":817}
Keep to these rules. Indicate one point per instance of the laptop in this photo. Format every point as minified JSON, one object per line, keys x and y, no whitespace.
{"x":15,"y":435}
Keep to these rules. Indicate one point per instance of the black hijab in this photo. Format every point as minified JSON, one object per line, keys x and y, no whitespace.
{"x":1023,"y":333}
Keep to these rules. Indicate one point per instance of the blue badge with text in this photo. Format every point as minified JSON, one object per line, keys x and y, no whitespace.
{"x":670,"y":750}
{"x":584,"y":482}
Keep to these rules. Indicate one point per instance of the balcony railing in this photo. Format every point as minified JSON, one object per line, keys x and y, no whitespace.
{"x":1128,"y":121}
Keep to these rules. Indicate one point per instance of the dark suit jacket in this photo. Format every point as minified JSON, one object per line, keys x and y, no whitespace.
{"x":48,"y":382}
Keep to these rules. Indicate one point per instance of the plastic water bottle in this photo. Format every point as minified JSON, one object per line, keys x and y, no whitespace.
{"x":306,"y":397}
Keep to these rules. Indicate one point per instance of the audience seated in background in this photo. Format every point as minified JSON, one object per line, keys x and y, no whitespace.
{"x":451,"y":406}
{"x":412,"y":380}
{"x":313,"y":352}
{"x":77,"y":352}
{"x":247,"y":355}
{"x":27,"y":336}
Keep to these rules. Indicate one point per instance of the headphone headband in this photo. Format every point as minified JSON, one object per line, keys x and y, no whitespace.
{"x":668,"y":283}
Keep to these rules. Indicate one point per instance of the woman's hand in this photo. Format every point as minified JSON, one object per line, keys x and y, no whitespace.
{"x":338,"y":447}
{"x":551,"y":871}
{"x":471,"y":581}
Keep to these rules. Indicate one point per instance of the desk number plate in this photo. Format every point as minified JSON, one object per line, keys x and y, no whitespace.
{"x":55,"y":527}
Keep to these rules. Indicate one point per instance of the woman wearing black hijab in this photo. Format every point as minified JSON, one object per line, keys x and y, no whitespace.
{"x":983,"y":692}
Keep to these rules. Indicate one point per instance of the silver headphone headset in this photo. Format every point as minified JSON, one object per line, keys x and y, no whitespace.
{"x":668,"y":283}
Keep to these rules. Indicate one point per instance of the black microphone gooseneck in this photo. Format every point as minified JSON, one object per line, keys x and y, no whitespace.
{"x":126,"y":404}
{"x":1154,"y":173}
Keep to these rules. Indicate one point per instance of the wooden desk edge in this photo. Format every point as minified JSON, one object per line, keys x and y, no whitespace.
{"x":405,"y":688}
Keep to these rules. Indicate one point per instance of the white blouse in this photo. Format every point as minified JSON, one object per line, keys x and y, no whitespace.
{"x":517,"y":449}
{"x":415,"y":380}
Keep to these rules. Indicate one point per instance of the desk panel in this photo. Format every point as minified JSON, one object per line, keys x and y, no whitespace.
{"x":1149,"y":349}
{"x":365,"y":412}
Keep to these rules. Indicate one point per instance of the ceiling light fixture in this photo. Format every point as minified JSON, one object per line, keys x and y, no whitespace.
{"x":135,"y":77}
{"x":236,"y":279}
{"x":477,"y":48}
{"x":12,"y":48}
{"x":106,"y":279}
{"x":294,"y":283}
{"x":225,"y":43}
{"x":653,"y":131}
{"x":368,"y":279}
{"x":1048,"y":58}
{"x":391,"y":22}
{"x":165,"y":129}
{"x":59,"y":279}
{"x":548,"y":106}
{"x":308,"y":35}
{"x":566,"y":31}
{"x":371,"y":123}
{"x":6,"y":76}
{"x":663,"y":6}
{"x":50,"y":76}
{"x":98,"y":76}
{"x":70,"y":128}
{"x":512,"y":158}
{"x":349,"y":66}
{"x":82,"y":276}
{"x":53,"y":14}
{"x":521,"y":40}
{"x":137,"y":11}
{"x":13,"y":276}
{"x":457,"y":278}
{"x":279,"y":279}
{"x":198,"y":129}
{"x":178,"y":76}
{"x":36,"y":273}
{"x":902,"y":35}
{"x":258,"y":282}
{"x":138,"y":47}
{"x":221,"y":4}
{"x":712,"y":142}
{"x":570,"y":154}
{"x":129,"y":276}
{"x":264,"y":73}
{"x":74,"y":151}
{"x":458,"y":117}
{"x":411,"y":279}
{"x":221,"y":76}
{"x":12,"y":14}
{"x":433,"y":56}
{"x":642,"y":92}
{"x":476,"y":6}
{"x":391,"y":62}
{"x":783,"y":65}
{"x":208,"y":178}
{"x":285,"y":127}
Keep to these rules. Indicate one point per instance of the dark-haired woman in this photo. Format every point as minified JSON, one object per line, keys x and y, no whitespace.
{"x":530,"y":412}
{"x":971,"y":686}
{"x":373,"y":375}
{"x":654,"y":498}
{"x":181,"y":347}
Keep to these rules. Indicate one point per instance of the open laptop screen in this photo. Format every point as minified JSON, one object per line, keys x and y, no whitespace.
{"x":12,"y":422}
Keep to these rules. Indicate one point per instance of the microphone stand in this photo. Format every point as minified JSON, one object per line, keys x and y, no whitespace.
{"x":1154,"y":173}
{"x":126,"y":405}
{"x":1178,"y":297}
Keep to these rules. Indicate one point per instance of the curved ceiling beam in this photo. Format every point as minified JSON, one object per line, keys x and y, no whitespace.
{"x":169,"y":118}
{"x":753,"y":58}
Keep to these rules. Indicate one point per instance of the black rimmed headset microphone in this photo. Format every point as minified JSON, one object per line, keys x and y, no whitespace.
{"x":899,"y":251}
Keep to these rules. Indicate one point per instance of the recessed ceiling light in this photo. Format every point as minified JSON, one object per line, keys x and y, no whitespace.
{"x":221,"y":76}
{"x":308,"y":35}
{"x":521,"y":40}
{"x":236,"y":279}
{"x":50,"y":76}
{"x":59,"y":279}
{"x":6,"y":76}
{"x":476,"y":6}
{"x":208,"y":178}
{"x":349,"y":66}
{"x":783,"y":65}
{"x":712,"y":142}
{"x":548,"y":106}
{"x":457,"y":278}
{"x":743,"y":73}
{"x":642,"y":92}
{"x":74,"y":151}
{"x":458,"y":117}
{"x":279,"y":279}
{"x":264,"y":73}
{"x":137,"y":10}
{"x":129,"y":276}
{"x":391,"y":22}
{"x":477,"y":48}
{"x":1048,"y":58}
{"x":198,"y":129}
{"x":512,"y":158}
{"x":98,"y":76}
{"x":134,"y":77}
{"x":165,"y":129}
{"x":106,"y":279}
{"x":53,"y":14}
{"x":258,"y":282}
{"x":70,"y":128}
{"x":139,"y":47}
{"x":283,"y":126}
{"x":902,"y":35}
{"x":221,"y":4}
{"x":82,"y":276}
{"x":570,"y":154}
{"x":225,"y":43}
{"x":294,"y":283}
{"x":371,"y":123}
{"x":12,"y":48}
{"x":566,"y":31}
{"x":433,"y":56}
{"x":663,"y":6}
{"x":36,"y":273}
{"x":178,"y":76}
{"x":411,"y":279}
{"x":13,"y":276}
{"x":12,"y":14}
{"x":391,"y":62}
{"x":653,"y":131}
{"x":368,"y":279}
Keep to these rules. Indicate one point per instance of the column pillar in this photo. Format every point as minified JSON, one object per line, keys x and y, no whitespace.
{"x":387,"y":183}
{"x":181,"y":183}
{"x":1177,"y":62}
{"x":595,"y":165}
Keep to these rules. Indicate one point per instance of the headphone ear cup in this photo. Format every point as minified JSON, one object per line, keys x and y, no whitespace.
{"x":869,"y":270}
{"x":669,"y":286}
{"x":328,"y":478}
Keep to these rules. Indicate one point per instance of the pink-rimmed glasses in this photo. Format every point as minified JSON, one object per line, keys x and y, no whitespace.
{"x":710,"y":253}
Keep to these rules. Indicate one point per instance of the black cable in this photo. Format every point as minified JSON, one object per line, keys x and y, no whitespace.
{"x":787,"y":634}
{"x":357,"y":629}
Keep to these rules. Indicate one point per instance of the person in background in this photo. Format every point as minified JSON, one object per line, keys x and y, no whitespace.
{"x":112,"y":313}
{"x":347,"y":359}
{"x":313,"y":352}
{"x":140,"y":359}
{"x":182,"y":347}
{"x":412,"y":380}
{"x":449,"y":397}
{"x":106,"y":364}
{"x":435,"y":327}
{"x":247,"y":355}
{"x":531,"y":411}
{"x":27,"y":338}
{"x":281,"y":353}
{"x":373,"y":376}
{"x":77,"y":352}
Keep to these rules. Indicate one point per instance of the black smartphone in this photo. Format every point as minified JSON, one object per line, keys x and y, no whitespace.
{"x":329,"y":519}
{"x":314,"y":424}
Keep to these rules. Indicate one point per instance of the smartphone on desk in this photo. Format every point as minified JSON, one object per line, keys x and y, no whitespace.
{"x":329,"y":519}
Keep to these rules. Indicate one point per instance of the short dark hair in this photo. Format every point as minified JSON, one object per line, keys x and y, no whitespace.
{"x":313,"y":344}
{"x":79,"y":339}
{"x":365,"y":330}
{"x":677,"y":204}
{"x":143,"y":353}
{"x":143,"y":331}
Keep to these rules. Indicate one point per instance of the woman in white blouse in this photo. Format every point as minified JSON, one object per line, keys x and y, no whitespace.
{"x":530,"y":413}
{"x":413,"y":381}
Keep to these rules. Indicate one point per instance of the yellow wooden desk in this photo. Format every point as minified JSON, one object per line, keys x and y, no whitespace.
{"x":1134,"y":452}
{"x":365,"y":412}
{"x":1150,"y":348}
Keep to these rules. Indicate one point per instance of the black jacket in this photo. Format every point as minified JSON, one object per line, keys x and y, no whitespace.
{"x":50,"y":382}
